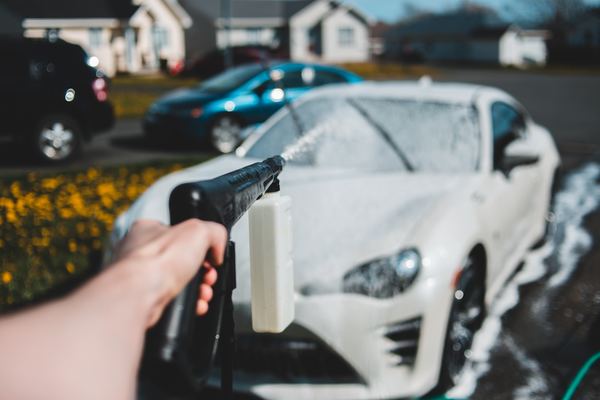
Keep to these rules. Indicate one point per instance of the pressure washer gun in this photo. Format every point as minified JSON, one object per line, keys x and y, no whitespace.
{"x":181,"y":349}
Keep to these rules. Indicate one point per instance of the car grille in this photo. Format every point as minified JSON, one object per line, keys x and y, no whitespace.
{"x":405,"y":336}
{"x":283,"y":359}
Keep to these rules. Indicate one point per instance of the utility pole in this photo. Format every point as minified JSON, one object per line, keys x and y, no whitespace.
{"x":226,"y":18}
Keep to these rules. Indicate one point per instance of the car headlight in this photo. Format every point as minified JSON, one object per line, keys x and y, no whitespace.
{"x":384,"y":277}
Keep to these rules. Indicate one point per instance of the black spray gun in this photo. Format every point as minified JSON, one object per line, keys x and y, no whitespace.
{"x":181,"y":348}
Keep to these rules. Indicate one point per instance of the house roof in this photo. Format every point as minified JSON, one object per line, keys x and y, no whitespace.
{"x":71,"y":9}
{"x":335,"y":6}
{"x":244,"y":9}
{"x":459,"y":23}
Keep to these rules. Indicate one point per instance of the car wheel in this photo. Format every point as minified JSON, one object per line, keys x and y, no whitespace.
{"x":466,"y":316}
{"x":225,"y":133}
{"x":57,"y":138}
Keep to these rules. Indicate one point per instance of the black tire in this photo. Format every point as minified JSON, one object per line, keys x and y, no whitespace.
{"x":224,"y":133}
{"x":466,"y":316}
{"x":57,"y":138}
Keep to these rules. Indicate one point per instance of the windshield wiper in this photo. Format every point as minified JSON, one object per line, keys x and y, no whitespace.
{"x":384,"y":134}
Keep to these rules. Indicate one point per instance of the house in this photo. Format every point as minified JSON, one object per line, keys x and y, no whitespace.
{"x":470,"y":35}
{"x":306,"y":30}
{"x":586,"y":31}
{"x":123,"y":35}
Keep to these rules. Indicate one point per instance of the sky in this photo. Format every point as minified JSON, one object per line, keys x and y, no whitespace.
{"x":392,"y":10}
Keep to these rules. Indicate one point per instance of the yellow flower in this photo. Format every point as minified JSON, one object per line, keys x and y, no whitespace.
{"x":72,"y":246}
{"x":6,"y":277}
{"x":70,"y":267}
{"x":50,"y":183}
{"x":92,"y":174}
{"x":15,"y":189}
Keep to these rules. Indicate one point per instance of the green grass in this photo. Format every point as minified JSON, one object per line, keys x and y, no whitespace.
{"x":132,"y":95}
{"x":132,"y":104}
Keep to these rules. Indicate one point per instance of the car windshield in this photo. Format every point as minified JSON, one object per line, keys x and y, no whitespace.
{"x":231,"y":79}
{"x":375,"y":134}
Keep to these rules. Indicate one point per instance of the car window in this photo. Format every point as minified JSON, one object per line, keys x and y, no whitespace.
{"x":507,"y":124}
{"x":374,"y":133}
{"x":293,"y":79}
{"x":434,"y":136}
{"x":506,"y":120}
{"x":327,"y":77}
{"x":327,"y":133}
{"x":231,"y":79}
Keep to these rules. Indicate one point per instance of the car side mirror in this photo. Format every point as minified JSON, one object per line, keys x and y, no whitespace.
{"x":512,"y":161}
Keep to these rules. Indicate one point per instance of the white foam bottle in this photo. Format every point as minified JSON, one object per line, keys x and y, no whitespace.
{"x":271,"y":264}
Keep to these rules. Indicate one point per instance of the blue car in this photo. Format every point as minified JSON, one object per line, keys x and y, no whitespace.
{"x":215,"y":112}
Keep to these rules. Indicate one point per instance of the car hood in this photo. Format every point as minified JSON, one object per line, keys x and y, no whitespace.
{"x":186,"y":98}
{"x":341,"y":218}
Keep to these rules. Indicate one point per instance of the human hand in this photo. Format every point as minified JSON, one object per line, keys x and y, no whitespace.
{"x":177,"y":252}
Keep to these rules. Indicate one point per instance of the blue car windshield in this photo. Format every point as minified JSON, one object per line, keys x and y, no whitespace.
{"x":231,"y":79}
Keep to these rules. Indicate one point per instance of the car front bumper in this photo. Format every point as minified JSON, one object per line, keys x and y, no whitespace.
{"x":360,"y":331}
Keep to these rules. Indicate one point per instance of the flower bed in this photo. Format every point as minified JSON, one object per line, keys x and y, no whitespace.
{"x":52,"y":227}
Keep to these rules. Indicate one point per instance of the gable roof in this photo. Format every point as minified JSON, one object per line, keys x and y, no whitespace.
{"x":459,"y":23}
{"x":71,"y":9}
{"x":247,"y":8}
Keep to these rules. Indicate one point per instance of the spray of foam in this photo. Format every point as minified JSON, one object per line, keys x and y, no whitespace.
{"x":569,"y":241}
{"x":306,"y":142}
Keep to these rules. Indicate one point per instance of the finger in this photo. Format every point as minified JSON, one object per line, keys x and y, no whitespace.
{"x":206,"y":292}
{"x":199,"y":239}
{"x":210,"y":276}
{"x":201,"y":307}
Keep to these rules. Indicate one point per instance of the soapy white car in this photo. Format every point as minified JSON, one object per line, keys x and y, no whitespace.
{"x":412,"y":204}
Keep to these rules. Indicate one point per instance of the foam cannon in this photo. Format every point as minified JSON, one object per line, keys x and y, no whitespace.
{"x":182,"y":347}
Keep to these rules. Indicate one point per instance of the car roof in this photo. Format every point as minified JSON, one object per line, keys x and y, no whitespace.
{"x":274,"y":63}
{"x":424,"y":89}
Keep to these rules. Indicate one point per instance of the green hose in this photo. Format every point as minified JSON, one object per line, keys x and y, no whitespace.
{"x":580,"y":375}
{"x":572,"y":387}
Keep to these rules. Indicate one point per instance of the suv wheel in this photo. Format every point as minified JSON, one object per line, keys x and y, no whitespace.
{"x":57,"y":138}
{"x":225,"y":133}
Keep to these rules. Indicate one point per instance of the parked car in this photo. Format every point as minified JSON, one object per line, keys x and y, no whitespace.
{"x":412,"y":205}
{"x":213,"y":63}
{"x":52,"y":100}
{"x":215,"y":112}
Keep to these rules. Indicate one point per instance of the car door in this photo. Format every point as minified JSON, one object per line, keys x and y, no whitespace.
{"x":513,"y":190}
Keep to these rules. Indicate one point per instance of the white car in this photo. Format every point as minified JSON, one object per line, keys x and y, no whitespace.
{"x":412,"y":202}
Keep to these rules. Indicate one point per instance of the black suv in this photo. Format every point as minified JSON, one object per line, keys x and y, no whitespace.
{"x":51,"y":100}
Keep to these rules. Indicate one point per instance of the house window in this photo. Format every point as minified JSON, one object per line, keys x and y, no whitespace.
{"x":253,"y":35}
{"x":346,"y":36}
{"x":95,"y":37}
{"x":161,"y":37}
